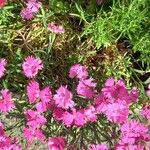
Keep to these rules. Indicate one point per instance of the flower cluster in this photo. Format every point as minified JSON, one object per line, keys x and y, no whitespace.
{"x":114,"y":100}
{"x":6,"y":143}
{"x":133,"y":133}
{"x":65,"y":107}
{"x":32,"y":7}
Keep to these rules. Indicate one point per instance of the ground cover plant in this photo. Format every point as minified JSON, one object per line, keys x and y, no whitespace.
{"x":74,"y":75}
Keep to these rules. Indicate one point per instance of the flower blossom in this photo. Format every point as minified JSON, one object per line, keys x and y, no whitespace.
{"x":91,"y":114}
{"x":133,"y":133}
{"x":76,"y":117}
{"x":63,"y":98}
{"x":34,"y":93}
{"x":146,"y":112}
{"x":3,"y":63}
{"x":98,"y":147}
{"x":2,"y":3}
{"x":58,"y":29}
{"x":78,"y":71}
{"x":31,"y":66}
{"x":34,"y":119}
{"x":6,"y":102}
{"x":85,"y":88}
{"x":32,"y":7}
{"x":33,"y":134}
{"x":56,"y":143}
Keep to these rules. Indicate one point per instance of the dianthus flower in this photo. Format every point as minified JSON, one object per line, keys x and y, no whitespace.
{"x":146,"y":112}
{"x":91,"y":114}
{"x":31,"y":66}
{"x":76,"y":117}
{"x":133,"y":132}
{"x":58,"y":114}
{"x":56,"y":143}
{"x":33,"y":5}
{"x":116,"y":112}
{"x":34,"y":93}
{"x":34,"y":119}
{"x":33,"y":134}
{"x":63,"y":98}
{"x":26,"y":14}
{"x":6,"y":102}
{"x":98,"y":147}
{"x":2,"y":3}
{"x":84,"y":88}
{"x":31,"y":9}
{"x":2,"y":66}
{"x":78,"y":71}
{"x":116,"y":92}
{"x":55,"y":28}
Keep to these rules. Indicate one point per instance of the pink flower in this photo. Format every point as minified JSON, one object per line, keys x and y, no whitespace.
{"x":63,"y":98}
{"x":116,"y":112}
{"x":2,"y":66}
{"x":33,"y":5}
{"x":98,"y":147}
{"x":26,"y":13}
{"x":32,"y":135}
{"x":78,"y":71}
{"x":56,"y":143}
{"x":85,"y":90}
{"x":34,"y":119}
{"x":33,"y":91}
{"x":2,"y":3}
{"x":91,"y":114}
{"x":77,"y":118}
{"x":146,"y":112}
{"x":6,"y":103}
{"x":133,"y":132}
{"x":31,"y":9}
{"x":58,"y":114}
{"x":58,"y":29}
{"x":31,"y":66}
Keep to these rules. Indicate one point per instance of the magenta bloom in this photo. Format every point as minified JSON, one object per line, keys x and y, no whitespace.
{"x":6,"y":102}
{"x":26,"y":14}
{"x":2,"y":66}
{"x":77,"y":118}
{"x":98,"y":147}
{"x":78,"y":71}
{"x":32,"y":135}
{"x":55,"y":28}
{"x":85,"y":90}
{"x":146,"y":112}
{"x":116,"y":112}
{"x":33,"y":5}
{"x":56,"y":143}
{"x":31,"y":66}
{"x":33,"y":91}
{"x":91,"y":114}
{"x":31,"y":9}
{"x":133,"y":132}
{"x":58,"y":114}
{"x":34,"y":119}
{"x":63,"y":98}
